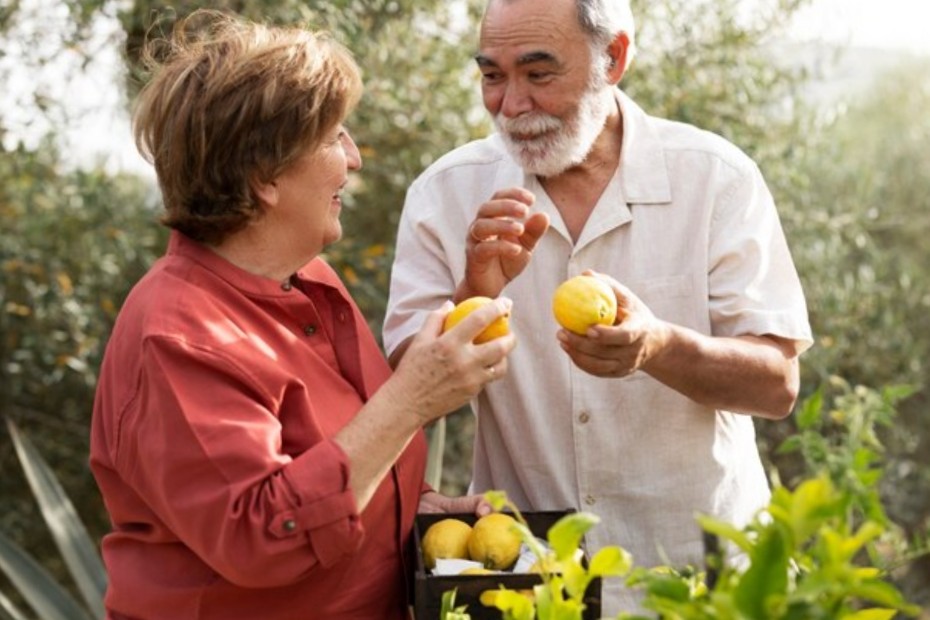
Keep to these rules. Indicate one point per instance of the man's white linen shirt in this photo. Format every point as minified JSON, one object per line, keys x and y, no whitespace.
{"x":689,"y":225}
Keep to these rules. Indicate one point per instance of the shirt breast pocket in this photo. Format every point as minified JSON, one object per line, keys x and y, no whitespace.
{"x":672,"y":298}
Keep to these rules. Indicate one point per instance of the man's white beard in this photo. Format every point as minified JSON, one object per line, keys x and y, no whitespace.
{"x":558,"y":144}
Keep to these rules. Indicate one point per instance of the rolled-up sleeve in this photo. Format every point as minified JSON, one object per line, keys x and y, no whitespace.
{"x":754,"y":286}
{"x":201,"y":445}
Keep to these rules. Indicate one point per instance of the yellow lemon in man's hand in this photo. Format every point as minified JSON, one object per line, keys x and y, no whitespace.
{"x":445,"y":539}
{"x":495,"y":541}
{"x":583,"y":301}
{"x":500,"y":326}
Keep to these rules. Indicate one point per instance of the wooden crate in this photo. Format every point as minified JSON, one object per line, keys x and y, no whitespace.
{"x":428,"y":589}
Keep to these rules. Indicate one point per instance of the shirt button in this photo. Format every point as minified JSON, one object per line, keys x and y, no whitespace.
{"x":309,"y":330}
{"x":590,"y":500}
{"x":290,"y":525}
{"x":286,"y":285}
{"x":584,"y":417}
{"x":342,"y":317}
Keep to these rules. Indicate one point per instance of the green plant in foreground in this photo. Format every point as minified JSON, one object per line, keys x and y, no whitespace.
{"x":800,"y":563}
{"x":49,"y":599}
{"x":448,"y":610}
{"x":809,"y":555}
{"x":565,"y":576}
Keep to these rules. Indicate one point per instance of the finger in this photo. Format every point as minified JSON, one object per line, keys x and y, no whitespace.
{"x":519,"y":194}
{"x":497,"y":248}
{"x":497,"y":369}
{"x":600,"y":367}
{"x":626,"y":299}
{"x":489,"y":229}
{"x":534,"y":228}
{"x":436,"y":318}
{"x":590,"y":347}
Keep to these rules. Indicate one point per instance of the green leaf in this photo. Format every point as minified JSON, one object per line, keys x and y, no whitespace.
{"x":895,"y":393}
{"x":50,"y":600}
{"x":576,"y":579}
{"x":497,"y":499}
{"x":813,"y":502}
{"x":870,"y":614}
{"x":75,"y":544}
{"x":791,"y":444}
{"x":766,"y":576}
{"x":671,"y":587}
{"x":725,"y":531}
{"x":566,"y":534}
{"x":610,"y":562}
{"x":515,"y":606}
{"x":882,"y":593}
{"x":811,"y":410}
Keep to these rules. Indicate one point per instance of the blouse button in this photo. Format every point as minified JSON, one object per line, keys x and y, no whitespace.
{"x":286,"y":285}
{"x":309,"y":330}
{"x":290,"y":525}
{"x":590,"y":500}
{"x":584,"y":417}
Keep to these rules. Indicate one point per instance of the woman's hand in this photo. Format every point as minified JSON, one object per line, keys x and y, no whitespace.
{"x":440,"y":372}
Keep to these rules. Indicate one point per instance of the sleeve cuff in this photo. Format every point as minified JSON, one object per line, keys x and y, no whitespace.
{"x":326,"y":510}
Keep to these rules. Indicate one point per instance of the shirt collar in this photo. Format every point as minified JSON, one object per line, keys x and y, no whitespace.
{"x":182,"y":245}
{"x":643,"y":170}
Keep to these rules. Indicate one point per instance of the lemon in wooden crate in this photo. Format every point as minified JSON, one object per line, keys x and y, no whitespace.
{"x":446,"y":539}
{"x":495,"y":541}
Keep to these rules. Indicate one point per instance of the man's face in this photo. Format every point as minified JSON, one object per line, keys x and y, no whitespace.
{"x":548,"y":99}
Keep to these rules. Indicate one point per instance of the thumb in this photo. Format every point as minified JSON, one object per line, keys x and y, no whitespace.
{"x":436,"y":318}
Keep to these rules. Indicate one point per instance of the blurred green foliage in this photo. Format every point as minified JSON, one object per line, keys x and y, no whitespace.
{"x":852,"y":183}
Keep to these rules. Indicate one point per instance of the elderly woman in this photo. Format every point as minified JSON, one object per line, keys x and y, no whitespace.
{"x":256,"y":455}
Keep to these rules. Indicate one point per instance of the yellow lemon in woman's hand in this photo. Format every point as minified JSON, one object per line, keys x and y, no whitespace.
{"x":583,"y":301}
{"x":500,"y":326}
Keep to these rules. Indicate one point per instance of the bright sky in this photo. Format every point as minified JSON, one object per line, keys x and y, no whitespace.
{"x":103,"y":129}
{"x":886,"y":24}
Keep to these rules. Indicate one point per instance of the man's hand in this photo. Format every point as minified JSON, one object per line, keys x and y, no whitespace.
{"x":500,"y":242}
{"x":621,"y":349}
{"x":752,"y":374}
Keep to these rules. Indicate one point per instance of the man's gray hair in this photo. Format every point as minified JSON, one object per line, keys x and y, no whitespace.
{"x":603,"y":20}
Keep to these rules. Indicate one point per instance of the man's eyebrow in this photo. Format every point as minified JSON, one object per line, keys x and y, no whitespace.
{"x":526,"y":59}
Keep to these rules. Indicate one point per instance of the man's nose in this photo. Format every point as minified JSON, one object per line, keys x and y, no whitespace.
{"x":517,"y":99}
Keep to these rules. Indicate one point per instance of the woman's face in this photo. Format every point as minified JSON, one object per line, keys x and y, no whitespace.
{"x":309,"y":201}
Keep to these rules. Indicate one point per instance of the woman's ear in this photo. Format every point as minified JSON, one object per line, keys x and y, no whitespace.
{"x":265,"y":191}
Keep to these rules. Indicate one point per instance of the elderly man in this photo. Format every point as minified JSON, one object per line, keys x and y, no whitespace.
{"x":648,"y":421}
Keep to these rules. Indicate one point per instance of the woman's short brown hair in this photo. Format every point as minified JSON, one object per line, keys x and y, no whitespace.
{"x":230,"y":102}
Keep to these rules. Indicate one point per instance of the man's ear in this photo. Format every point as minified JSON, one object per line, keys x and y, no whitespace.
{"x":265,"y":191}
{"x":617,"y":50}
